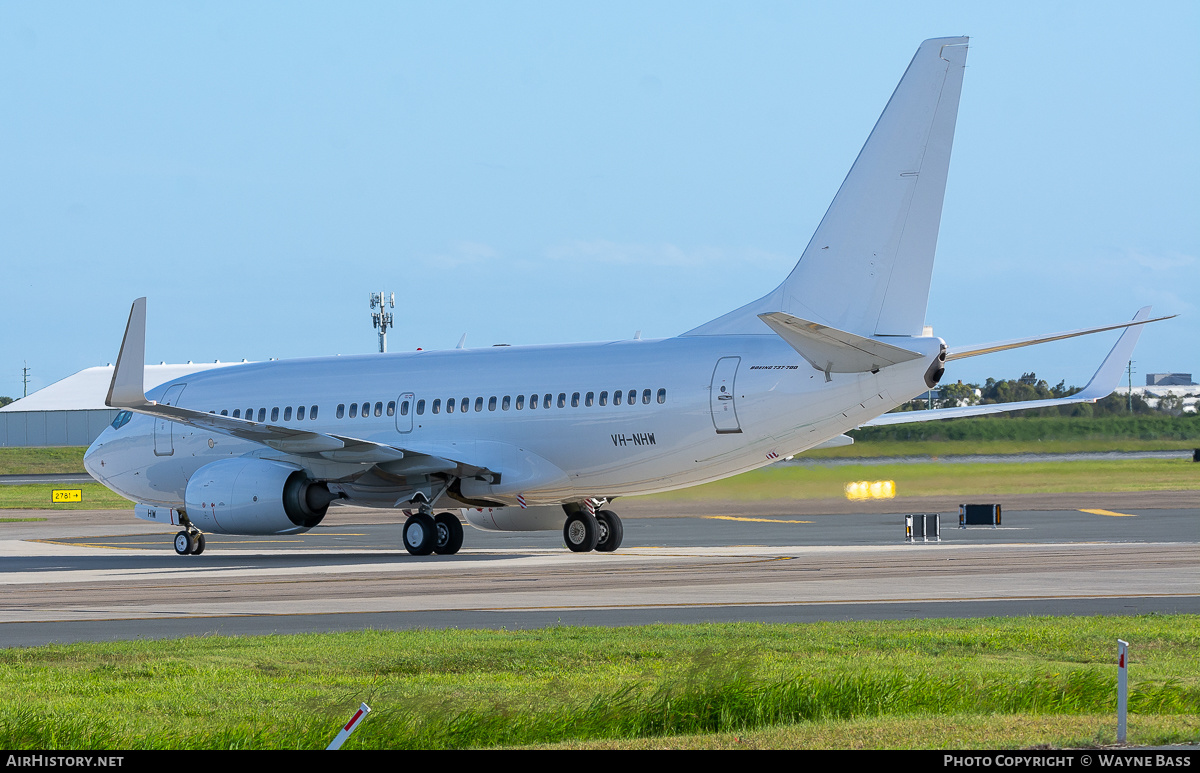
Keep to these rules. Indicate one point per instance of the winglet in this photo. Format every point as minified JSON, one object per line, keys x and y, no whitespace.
{"x":128,"y":387}
{"x":1108,"y":376}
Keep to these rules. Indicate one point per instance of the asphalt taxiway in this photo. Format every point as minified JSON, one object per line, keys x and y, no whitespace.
{"x":94,"y":575}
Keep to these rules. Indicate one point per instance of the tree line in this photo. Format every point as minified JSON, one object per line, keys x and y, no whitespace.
{"x":1030,"y":387}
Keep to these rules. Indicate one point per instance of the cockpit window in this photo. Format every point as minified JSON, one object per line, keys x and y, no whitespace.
{"x":122,"y":419}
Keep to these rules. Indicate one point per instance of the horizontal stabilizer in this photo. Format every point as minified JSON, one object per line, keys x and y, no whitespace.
{"x":830,"y":350}
{"x":1102,"y":384}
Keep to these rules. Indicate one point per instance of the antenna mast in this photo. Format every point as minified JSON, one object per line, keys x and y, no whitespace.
{"x":1130,"y":400}
{"x":381,"y":319}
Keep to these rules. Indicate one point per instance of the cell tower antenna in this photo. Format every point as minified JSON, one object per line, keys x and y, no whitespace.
{"x":1130,"y":366}
{"x":381,"y":319}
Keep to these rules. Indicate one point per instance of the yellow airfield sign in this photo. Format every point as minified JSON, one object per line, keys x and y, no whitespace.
{"x":66,"y":495}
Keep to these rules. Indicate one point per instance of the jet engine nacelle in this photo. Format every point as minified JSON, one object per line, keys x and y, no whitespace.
{"x":255,"y":496}
{"x":541,"y":518}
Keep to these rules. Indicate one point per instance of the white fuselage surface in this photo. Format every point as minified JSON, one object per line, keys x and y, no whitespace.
{"x":611,"y":419}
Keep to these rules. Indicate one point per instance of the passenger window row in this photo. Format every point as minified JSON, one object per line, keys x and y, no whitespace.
{"x":366,"y":410}
{"x":543,"y":401}
{"x":310,"y":413}
{"x":302,"y":412}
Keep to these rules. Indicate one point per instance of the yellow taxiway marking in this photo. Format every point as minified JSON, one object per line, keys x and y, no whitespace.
{"x":81,"y":544}
{"x":1109,"y":512}
{"x":756,"y":520}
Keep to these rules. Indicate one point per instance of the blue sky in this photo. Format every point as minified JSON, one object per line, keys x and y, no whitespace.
{"x":550,"y":172}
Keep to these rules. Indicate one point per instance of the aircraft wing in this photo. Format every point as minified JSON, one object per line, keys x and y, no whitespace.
{"x":959,"y":352}
{"x":1101,"y":385}
{"x":127,"y":390}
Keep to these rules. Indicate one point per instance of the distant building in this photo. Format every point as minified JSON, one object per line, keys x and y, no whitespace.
{"x":71,"y":412}
{"x":1169,"y":379}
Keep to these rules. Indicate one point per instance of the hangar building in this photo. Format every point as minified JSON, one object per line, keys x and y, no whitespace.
{"x":71,"y":412}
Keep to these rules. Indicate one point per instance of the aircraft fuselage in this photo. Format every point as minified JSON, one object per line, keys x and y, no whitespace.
{"x":672,"y":425}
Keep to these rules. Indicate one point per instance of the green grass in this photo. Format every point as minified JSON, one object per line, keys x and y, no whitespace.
{"x":787,"y":685}
{"x":968,"y":447}
{"x":956,"y":731}
{"x":36,"y":461}
{"x":1156,"y":429}
{"x":36,"y":496}
{"x":940,"y":479}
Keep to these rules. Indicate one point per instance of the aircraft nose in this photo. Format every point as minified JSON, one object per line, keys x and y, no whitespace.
{"x":91,"y":459}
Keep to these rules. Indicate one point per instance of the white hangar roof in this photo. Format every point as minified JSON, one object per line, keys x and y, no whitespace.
{"x":86,"y":390}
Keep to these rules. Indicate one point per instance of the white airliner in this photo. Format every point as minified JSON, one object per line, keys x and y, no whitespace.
{"x":543,"y":437}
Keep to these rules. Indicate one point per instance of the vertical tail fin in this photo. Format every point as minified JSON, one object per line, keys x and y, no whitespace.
{"x":868,"y":266}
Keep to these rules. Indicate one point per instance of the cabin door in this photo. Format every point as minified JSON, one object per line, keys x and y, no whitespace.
{"x":163,"y":445}
{"x":721,"y":399}
{"x":404,"y":413}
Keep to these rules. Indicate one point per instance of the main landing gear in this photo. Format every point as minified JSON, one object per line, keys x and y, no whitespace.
{"x":189,"y":542}
{"x":584,"y":532}
{"x":425,"y":534}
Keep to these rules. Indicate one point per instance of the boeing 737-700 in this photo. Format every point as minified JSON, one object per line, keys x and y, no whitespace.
{"x":545,"y":437}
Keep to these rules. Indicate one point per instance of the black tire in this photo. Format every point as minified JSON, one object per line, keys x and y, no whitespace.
{"x":449,"y":534}
{"x":199,"y":544}
{"x":184,"y":543}
{"x":581,"y":532}
{"x":611,"y":531}
{"x":420,"y":534}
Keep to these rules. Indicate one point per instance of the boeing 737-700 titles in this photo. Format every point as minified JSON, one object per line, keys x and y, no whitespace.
{"x":545,"y":437}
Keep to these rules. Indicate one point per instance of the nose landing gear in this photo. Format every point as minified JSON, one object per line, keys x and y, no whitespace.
{"x":189,"y":542}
